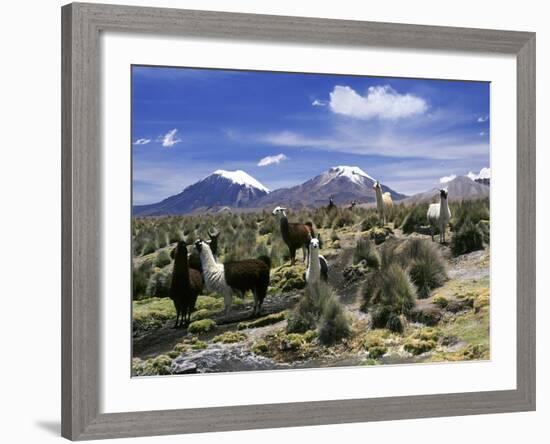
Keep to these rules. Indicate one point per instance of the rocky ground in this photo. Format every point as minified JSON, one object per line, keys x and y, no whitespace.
{"x":452,"y":324}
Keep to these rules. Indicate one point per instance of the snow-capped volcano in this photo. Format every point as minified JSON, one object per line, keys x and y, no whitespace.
{"x":343,"y":183}
{"x":242,"y":178}
{"x":219,"y":189}
{"x":353,"y":173}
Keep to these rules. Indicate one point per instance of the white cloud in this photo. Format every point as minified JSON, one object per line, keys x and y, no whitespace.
{"x":170,"y":138}
{"x":381,"y":102}
{"x":270,"y":160}
{"x":142,"y":141}
{"x":391,"y":145}
{"x":482,"y":133}
{"x":317,"y":102}
{"x":446,"y":179}
{"x":482,"y":119}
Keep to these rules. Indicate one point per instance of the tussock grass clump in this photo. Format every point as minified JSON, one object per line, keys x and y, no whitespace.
{"x":320,"y":310}
{"x":472,"y":210}
{"x":345,"y":218}
{"x":387,"y":294}
{"x":140,"y":279}
{"x":415,"y":219}
{"x":366,"y":251}
{"x":425,"y":265}
{"x":468,"y":238}
{"x":159,"y":283}
{"x":371,"y":221}
{"x":162,"y":259}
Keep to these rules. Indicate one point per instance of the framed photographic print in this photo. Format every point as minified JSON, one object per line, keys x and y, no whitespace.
{"x":293,"y":221}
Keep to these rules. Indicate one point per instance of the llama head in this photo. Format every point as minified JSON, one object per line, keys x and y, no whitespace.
{"x":202,"y":245}
{"x":279,"y":211}
{"x":314,"y":243}
{"x":376,"y":186}
{"x":443,"y":193}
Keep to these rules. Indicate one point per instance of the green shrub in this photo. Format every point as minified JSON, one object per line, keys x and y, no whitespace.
{"x":485,"y":228}
{"x":334,"y":324}
{"x":440,"y":301}
{"x":319,"y":309}
{"x":365,"y":250}
{"x":159,"y":283}
{"x":202,"y":326}
{"x":140,"y":279}
{"x":388,"y":293}
{"x":472,"y":210}
{"x":425,"y":264}
{"x":345,"y":218}
{"x":415,"y":219}
{"x":230,"y":337}
{"x":419,"y":346}
{"x":149,"y":247}
{"x":371,"y":221}
{"x":162,"y":259}
{"x":468,"y":238}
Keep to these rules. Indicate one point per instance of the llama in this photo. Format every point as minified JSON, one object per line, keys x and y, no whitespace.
{"x":331,"y":206}
{"x":194,"y":258}
{"x":295,"y":235}
{"x":240,"y":276}
{"x":185,"y":287}
{"x":384,"y":202}
{"x":352,"y":205}
{"x":439,"y":215}
{"x":317,"y":268}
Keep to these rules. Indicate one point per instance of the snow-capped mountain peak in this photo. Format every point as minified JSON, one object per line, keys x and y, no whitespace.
{"x":353,"y":173}
{"x":242,"y":178}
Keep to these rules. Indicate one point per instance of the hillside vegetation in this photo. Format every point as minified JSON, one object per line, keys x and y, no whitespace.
{"x":393,"y":295}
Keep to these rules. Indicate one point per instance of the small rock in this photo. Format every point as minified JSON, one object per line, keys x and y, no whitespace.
{"x":182,"y":367}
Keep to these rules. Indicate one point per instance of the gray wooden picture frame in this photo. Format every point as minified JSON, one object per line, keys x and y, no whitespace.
{"x":81,"y":174}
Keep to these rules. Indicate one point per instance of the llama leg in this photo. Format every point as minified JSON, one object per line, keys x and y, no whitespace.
{"x":292,"y":256}
{"x":177,"y":318}
{"x":227,"y":296}
{"x":254,"y":310}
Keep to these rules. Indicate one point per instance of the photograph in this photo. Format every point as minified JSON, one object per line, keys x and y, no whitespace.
{"x":285,"y":220}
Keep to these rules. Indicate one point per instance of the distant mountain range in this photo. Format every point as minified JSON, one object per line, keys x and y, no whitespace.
{"x":342,"y":183}
{"x":225,"y":190}
{"x":460,"y":188}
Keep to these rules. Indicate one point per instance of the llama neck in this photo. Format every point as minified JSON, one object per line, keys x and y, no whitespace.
{"x":444,"y":207}
{"x":379,"y":200}
{"x":284,"y":225}
{"x":207,"y":258}
{"x":314,"y":265}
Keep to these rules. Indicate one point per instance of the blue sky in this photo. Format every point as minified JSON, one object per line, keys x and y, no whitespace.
{"x":285,"y":128}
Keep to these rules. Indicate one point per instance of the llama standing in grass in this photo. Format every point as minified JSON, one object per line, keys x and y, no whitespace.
{"x":295,"y":235}
{"x":384,"y":202}
{"x":331,"y":206}
{"x":185,"y":287}
{"x":439,"y":215}
{"x":317,"y":268}
{"x":352,"y":205}
{"x":240,"y":276}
